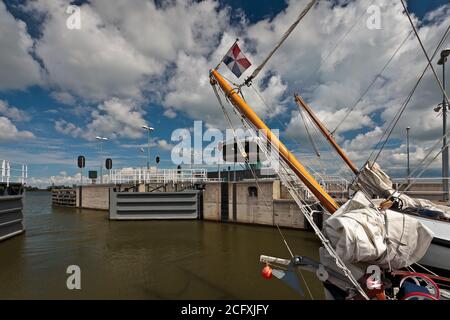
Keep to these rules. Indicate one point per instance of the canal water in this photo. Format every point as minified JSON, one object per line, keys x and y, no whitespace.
{"x":143,"y":259}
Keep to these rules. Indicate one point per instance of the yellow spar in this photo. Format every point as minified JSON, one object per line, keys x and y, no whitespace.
{"x":329,"y":204}
{"x":326,"y":133}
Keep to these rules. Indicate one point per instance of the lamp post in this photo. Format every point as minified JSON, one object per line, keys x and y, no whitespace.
{"x":444,"y":54}
{"x":148,"y":129}
{"x":408,"y":169}
{"x":101,"y":139}
{"x":141,"y":150}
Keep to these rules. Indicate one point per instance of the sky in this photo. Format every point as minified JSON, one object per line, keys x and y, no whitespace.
{"x":140,"y":62}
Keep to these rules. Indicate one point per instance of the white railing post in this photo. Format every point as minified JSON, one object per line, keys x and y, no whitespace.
{"x":8,"y":173}
{"x":3,"y":170}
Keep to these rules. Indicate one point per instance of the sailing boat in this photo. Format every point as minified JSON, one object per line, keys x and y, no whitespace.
{"x":359,"y":232}
{"x":377,"y":183}
{"x":342,"y":280}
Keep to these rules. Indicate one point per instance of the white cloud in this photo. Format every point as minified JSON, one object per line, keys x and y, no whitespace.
{"x":154,"y":143}
{"x":109,"y":56}
{"x":332,"y":86}
{"x":169,"y":113}
{"x":161,"y":31}
{"x":94,"y":61}
{"x":62,"y":126}
{"x":113,"y":118}
{"x":133,"y":51}
{"x":18,"y":69}
{"x":13,"y":112}
{"x":64,"y":97}
{"x":9,"y":131}
{"x":164,"y":145}
{"x":63,"y":179}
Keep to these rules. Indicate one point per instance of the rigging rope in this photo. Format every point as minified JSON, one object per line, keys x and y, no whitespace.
{"x":241,"y":149}
{"x":429,"y":64}
{"x":426,"y":157}
{"x":238,"y":142}
{"x":338,"y":43}
{"x":283,"y":38}
{"x":278,"y":227}
{"x":309,"y":134}
{"x":396,"y":118}
{"x":425,"y":168}
{"x":441,"y":87}
{"x":278,"y":120}
{"x":326,"y":243}
{"x":371,"y":84}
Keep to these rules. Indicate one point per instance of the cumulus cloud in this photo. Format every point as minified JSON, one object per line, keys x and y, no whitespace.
{"x":332,"y":85}
{"x":155,"y":142}
{"x":164,"y":145}
{"x":13,"y":112}
{"x":139,"y":51}
{"x":64,"y":97}
{"x":63,"y":179}
{"x":18,"y":69}
{"x":9,"y":131}
{"x":169,"y":113}
{"x":91,"y":62}
{"x":113,"y":118}
{"x":62,"y":126}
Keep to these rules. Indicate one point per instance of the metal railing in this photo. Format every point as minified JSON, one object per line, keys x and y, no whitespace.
{"x":336,"y":186}
{"x":160,"y":176}
{"x":12,"y":172}
{"x":429,"y":186}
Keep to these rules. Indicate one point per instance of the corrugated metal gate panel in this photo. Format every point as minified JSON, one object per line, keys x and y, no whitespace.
{"x":154,"y":205}
{"x":11,"y":217}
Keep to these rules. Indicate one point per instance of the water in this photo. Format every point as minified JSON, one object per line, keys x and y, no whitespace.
{"x":143,"y":259}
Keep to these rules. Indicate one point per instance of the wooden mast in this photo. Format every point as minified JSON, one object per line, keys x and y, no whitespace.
{"x":326,"y":133}
{"x":327,"y":201}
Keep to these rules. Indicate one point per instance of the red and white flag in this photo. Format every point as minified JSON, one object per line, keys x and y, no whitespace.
{"x":236,"y":60}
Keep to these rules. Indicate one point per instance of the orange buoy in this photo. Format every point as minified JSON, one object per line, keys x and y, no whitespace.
{"x":267,"y":272}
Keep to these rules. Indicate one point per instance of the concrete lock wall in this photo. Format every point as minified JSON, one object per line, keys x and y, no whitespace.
{"x":287,"y":214}
{"x":212,"y":201}
{"x":94,"y":197}
{"x":254,"y":205}
{"x":240,"y":202}
{"x":248,"y":204}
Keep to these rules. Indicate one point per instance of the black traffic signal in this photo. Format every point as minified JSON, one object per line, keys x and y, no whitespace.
{"x":81,"y":161}
{"x":108,"y":163}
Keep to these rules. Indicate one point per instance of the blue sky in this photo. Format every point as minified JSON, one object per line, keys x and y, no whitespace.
{"x":55,"y":107}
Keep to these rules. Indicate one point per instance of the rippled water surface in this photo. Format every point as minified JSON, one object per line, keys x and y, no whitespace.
{"x":142,"y":259}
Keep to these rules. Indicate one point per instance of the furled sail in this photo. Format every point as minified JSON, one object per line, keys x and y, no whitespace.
{"x":360,"y":233}
{"x":376,"y":182}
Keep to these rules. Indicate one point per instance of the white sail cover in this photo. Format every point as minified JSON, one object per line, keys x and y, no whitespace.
{"x":376,"y":182}
{"x":361,"y":233}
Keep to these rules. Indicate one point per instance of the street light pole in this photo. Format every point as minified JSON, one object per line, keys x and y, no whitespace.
{"x":408,"y":168}
{"x":148,"y":129}
{"x":444,"y":54}
{"x":445,"y":151}
{"x":101,"y":139}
